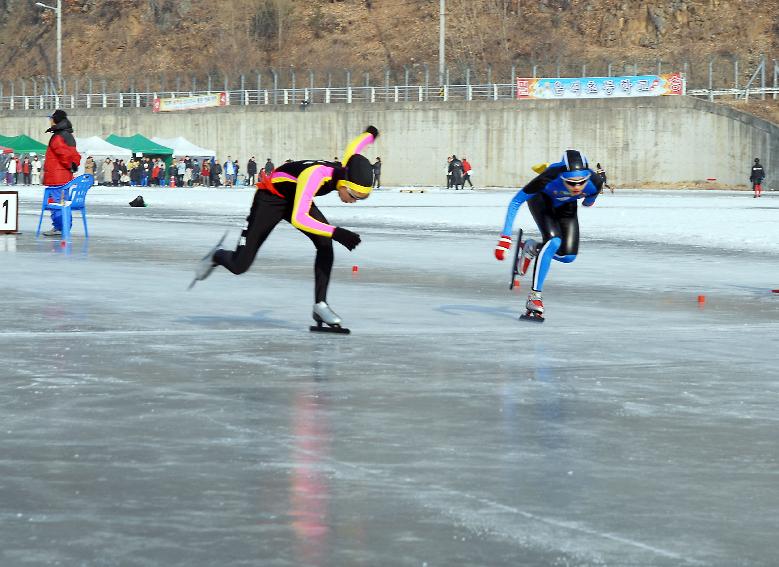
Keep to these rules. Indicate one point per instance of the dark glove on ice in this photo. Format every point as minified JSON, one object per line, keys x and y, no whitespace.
{"x":345,"y":237}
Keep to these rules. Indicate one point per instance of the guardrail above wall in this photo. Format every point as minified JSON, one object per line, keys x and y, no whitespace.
{"x":247,"y":97}
{"x":392,"y":94}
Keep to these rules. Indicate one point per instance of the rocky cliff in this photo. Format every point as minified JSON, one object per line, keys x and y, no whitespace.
{"x":134,"y":39}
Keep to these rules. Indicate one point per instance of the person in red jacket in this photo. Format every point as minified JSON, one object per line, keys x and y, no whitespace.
{"x":62,"y":161}
{"x":466,"y":173}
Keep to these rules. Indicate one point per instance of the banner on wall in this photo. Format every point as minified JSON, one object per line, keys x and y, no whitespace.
{"x":601,"y":87}
{"x":189,"y":102}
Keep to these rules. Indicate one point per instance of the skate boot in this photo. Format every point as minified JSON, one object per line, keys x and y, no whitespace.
{"x":526,"y":256}
{"x":323,"y":315}
{"x":535,"y":307}
{"x":206,"y":265}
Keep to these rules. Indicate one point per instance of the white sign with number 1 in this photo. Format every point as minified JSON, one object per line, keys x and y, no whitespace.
{"x":9,"y":212}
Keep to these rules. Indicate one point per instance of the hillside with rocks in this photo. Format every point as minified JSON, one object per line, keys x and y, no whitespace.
{"x":152,"y":41}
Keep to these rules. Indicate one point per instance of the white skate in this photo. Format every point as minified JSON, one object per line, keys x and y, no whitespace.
{"x":323,"y":315}
{"x":534,"y":307}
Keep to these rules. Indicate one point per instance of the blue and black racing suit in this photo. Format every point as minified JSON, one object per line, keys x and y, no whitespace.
{"x":554,"y":209}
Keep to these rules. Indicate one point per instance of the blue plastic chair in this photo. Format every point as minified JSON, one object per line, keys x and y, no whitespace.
{"x":76,"y":192}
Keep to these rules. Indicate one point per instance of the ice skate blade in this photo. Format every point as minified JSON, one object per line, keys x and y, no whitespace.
{"x":535,"y":318}
{"x":210,"y":253}
{"x":324,"y":328}
{"x":515,"y":263}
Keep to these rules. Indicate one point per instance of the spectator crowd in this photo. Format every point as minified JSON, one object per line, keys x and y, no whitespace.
{"x":146,"y":171}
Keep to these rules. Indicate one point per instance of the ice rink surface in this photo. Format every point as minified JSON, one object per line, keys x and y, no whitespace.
{"x":145,"y":425}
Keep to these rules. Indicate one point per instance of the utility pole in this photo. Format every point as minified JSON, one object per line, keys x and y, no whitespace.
{"x":441,"y":42}
{"x":58,"y":11}
{"x":278,"y":23}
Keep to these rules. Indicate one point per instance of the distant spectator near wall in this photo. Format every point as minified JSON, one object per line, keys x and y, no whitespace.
{"x":377,"y":173}
{"x":251,"y":171}
{"x":602,"y":174}
{"x":456,"y":169}
{"x":756,"y":177}
{"x":26,"y":169}
{"x":10,"y":177}
{"x":36,"y":166}
{"x":467,"y":173}
{"x":229,"y":172}
{"x":205,"y":173}
{"x":90,"y":166}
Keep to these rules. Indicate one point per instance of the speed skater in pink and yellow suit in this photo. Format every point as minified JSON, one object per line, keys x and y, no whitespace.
{"x":288,"y":194}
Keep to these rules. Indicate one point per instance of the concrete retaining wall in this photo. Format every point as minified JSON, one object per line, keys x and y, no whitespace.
{"x":643,"y":140}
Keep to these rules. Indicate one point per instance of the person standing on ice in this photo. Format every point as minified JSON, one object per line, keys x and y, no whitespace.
{"x":756,"y":177}
{"x":62,"y":161}
{"x":602,"y":173}
{"x":288,"y":194}
{"x":467,"y":172}
{"x":552,"y":198}
{"x":456,"y":171}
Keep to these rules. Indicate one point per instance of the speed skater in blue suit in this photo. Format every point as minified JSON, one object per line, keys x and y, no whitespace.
{"x":552,"y":198}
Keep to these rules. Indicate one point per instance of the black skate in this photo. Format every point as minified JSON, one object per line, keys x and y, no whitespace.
{"x":515,"y":263}
{"x":532,"y":316}
{"x":327,"y":321}
{"x":206,"y":264}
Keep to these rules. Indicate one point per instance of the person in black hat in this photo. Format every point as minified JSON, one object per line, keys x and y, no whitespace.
{"x":62,"y":161}
{"x":288,"y":194}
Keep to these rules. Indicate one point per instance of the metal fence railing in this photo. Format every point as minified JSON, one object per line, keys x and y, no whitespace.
{"x":330,"y":95}
{"x":705,"y":75}
{"x":252,"y":97}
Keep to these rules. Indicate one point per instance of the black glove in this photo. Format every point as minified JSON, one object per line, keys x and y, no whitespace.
{"x":73,"y":167}
{"x":345,"y":237}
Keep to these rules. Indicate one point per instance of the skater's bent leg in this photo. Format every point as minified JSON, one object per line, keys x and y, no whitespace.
{"x":569,"y":225}
{"x":266,"y":212}
{"x":543,"y":262}
{"x":323,"y":264}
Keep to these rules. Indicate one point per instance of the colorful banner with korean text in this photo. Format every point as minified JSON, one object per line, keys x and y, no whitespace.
{"x":189,"y":102}
{"x":602,"y":87}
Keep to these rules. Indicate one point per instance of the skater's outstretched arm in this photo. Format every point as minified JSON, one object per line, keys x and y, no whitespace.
{"x":535,"y":186}
{"x":361,"y":142}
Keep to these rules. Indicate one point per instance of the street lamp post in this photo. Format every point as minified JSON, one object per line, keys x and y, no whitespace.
{"x":58,"y":11}
{"x":441,"y":41}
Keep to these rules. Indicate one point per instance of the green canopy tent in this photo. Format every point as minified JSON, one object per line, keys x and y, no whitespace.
{"x":140,"y":145}
{"x":23,"y":144}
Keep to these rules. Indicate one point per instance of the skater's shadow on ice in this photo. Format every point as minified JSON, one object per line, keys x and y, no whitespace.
{"x":460,"y":309}
{"x":255,"y":320}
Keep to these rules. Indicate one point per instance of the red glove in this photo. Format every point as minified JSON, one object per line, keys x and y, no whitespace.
{"x":504,"y":244}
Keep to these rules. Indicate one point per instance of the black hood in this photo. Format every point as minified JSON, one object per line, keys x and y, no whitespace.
{"x":63,"y":125}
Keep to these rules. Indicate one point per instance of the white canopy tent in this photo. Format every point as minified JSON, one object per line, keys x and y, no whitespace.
{"x":99,"y":149}
{"x":183,"y":147}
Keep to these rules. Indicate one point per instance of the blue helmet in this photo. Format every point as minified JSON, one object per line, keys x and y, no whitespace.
{"x":576,"y":165}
